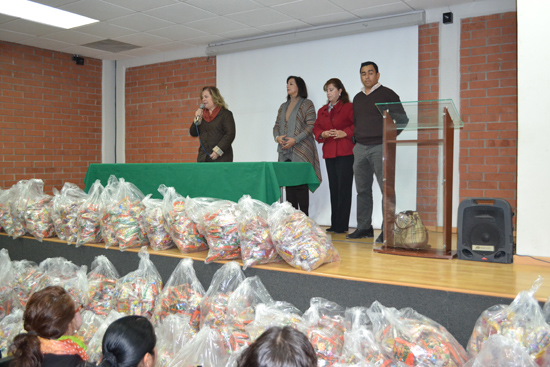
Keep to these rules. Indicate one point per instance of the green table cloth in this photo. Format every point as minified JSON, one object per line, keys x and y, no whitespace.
{"x":260,"y":180}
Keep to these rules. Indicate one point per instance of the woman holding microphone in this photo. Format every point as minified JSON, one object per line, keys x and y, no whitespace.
{"x":334,"y":129}
{"x":214,"y":126}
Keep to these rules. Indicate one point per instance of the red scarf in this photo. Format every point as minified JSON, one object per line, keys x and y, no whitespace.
{"x":63,"y":347}
{"x":209,"y":116}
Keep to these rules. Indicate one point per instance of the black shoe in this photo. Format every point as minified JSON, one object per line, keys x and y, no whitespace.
{"x":380,"y":238}
{"x":361,"y":233}
{"x":329,"y":229}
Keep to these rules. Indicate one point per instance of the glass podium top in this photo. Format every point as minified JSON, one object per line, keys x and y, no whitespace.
{"x":422,"y":114}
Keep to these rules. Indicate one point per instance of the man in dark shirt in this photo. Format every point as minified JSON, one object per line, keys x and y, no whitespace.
{"x":368,"y":150}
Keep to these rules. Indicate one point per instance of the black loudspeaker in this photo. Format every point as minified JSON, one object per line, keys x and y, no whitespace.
{"x":485,"y":230}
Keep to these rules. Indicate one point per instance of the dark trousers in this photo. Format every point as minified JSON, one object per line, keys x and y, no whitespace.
{"x":340,"y":181}
{"x":298,"y":196}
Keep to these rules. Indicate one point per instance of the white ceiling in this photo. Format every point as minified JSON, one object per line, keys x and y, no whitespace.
{"x":170,"y":25}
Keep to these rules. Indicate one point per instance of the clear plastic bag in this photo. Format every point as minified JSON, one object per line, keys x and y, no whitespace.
{"x":324,"y":322}
{"x":107,"y":220}
{"x":172,"y":334}
{"x":138,"y":290}
{"x":241,"y":309}
{"x":214,"y":304}
{"x":122,"y":216}
{"x":37,"y":210}
{"x":91,"y":322}
{"x":152,"y":221}
{"x":180,"y":226}
{"x":278,"y":313}
{"x":522,"y":321}
{"x":298,"y":239}
{"x":89,"y":217}
{"x":94,"y":346}
{"x":62,"y":272}
{"x":206,"y":349}
{"x":102,"y":281}
{"x":11,"y":225}
{"x":8,"y":298}
{"x":65,"y":209}
{"x":181,"y":295}
{"x":28,"y":279}
{"x":413,"y":339}
{"x":254,"y":233}
{"x":217,"y":221}
{"x":14,"y":222}
{"x":501,"y":351}
{"x":10,"y":327}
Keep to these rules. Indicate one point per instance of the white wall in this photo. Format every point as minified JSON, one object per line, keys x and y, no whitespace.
{"x":533,"y":129}
{"x":253,"y":84}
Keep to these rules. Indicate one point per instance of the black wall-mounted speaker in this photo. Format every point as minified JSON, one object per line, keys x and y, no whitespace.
{"x":485,"y":231}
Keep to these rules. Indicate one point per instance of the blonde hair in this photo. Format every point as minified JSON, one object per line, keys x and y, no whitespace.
{"x":216,"y":96}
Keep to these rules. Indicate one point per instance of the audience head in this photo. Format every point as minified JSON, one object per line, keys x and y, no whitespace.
{"x":212,"y":93}
{"x":129,"y":342}
{"x":279,"y":347}
{"x":296,"y":81}
{"x":336,"y":83}
{"x":50,"y":314}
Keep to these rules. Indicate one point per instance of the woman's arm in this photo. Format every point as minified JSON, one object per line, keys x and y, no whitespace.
{"x":229,"y":130}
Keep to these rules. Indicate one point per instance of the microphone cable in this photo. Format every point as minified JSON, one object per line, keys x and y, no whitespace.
{"x":199,"y":135}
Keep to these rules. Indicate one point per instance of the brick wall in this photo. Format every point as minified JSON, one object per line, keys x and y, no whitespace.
{"x":161,"y":100}
{"x":428,"y":89}
{"x":50,"y":119}
{"x":488,"y":66}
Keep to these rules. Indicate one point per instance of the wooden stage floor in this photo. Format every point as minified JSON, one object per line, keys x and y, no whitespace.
{"x":360,"y":263}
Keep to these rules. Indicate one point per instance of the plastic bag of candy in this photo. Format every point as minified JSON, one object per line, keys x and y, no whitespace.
{"x":65,"y":209}
{"x":10,"y":327}
{"x":217,"y":221}
{"x":546,"y":310}
{"x":102,"y":281}
{"x":206,"y":349}
{"x":62,"y":272}
{"x":214,"y":304}
{"x":181,"y":295}
{"x":94,"y":346}
{"x":298,"y":239}
{"x":173,"y":332}
{"x":522,"y":321}
{"x":413,"y":339}
{"x":8,"y":298}
{"x":28,"y":279}
{"x":180,"y":226}
{"x":122,"y":213}
{"x":13,"y":221}
{"x":106,"y":202}
{"x":152,"y":220}
{"x":241,"y":308}
{"x":137,"y":291}
{"x":91,"y":322}
{"x":277,"y":313}
{"x":324,"y":325}
{"x":88,"y":220}
{"x":36,"y":209}
{"x":254,"y":233}
{"x":499,"y":351}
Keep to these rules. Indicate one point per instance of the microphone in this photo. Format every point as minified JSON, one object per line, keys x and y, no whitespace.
{"x":199,"y":117}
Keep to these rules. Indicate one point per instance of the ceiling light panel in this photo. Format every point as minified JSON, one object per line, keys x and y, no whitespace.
{"x":40,"y":13}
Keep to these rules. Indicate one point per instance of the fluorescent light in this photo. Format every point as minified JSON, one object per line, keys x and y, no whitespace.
{"x":320,"y":32}
{"x":43,"y":14}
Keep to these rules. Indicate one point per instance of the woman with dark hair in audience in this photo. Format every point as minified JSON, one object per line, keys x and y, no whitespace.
{"x":129,"y":342}
{"x":334,"y":129}
{"x":293,"y":132}
{"x":279,"y":347}
{"x":51,"y":320}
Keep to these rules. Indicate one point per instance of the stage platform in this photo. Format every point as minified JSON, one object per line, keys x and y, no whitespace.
{"x":451,"y":292}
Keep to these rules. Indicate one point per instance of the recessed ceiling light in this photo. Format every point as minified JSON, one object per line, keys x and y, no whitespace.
{"x":43,"y":14}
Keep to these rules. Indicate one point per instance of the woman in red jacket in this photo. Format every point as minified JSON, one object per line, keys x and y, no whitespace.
{"x":334,"y":129}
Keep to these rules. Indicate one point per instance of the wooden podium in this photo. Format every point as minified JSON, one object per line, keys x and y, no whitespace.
{"x":430,"y":134}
